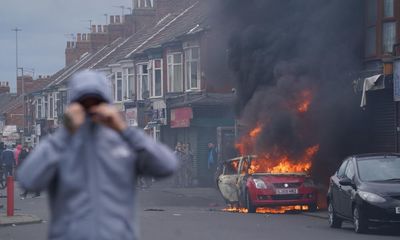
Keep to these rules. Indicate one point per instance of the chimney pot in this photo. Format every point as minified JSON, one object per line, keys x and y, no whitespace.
{"x":112,"y":20}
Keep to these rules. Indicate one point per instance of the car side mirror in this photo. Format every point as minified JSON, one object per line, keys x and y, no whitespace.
{"x":346,"y":182}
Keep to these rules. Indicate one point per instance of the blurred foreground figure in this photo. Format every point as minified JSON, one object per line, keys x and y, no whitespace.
{"x":90,"y":166}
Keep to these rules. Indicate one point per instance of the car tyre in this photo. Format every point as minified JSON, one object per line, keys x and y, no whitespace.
{"x":334,"y":220}
{"x":250,"y":207}
{"x":360,"y":221}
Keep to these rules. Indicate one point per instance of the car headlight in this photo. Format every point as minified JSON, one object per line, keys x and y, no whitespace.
{"x":260,"y":184}
{"x":371,"y":197}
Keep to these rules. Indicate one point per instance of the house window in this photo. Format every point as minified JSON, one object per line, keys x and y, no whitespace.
{"x":118,"y":87}
{"x":129,"y":83}
{"x":388,"y":8}
{"x":46,"y":106}
{"x":156,"y":78}
{"x":145,"y":3}
{"x":39,"y":108}
{"x":370,"y":33}
{"x":51,"y":106}
{"x":143,"y":80}
{"x":388,"y":36}
{"x":175,"y":72}
{"x":192,"y":67}
{"x":57,"y":103}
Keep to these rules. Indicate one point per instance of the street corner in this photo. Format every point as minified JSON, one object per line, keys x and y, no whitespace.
{"x":18,"y":219}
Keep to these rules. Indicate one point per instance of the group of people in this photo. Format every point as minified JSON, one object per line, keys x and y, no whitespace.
{"x":184,"y":176}
{"x":11,"y":158}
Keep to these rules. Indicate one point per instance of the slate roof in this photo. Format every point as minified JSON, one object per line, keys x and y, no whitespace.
{"x":168,"y":28}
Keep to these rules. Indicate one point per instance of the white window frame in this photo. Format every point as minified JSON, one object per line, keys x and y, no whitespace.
{"x":171,"y":64}
{"x":39,"y":105}
{"x":129,"y":80}
{"x":46,"y":106}
{"x":153,"y":78}
{"x":146,"y":3}
{"x":51,"y":106}
{"x":118,"y":78}
{"x":189,"y":60}
{"x":139,"y":78}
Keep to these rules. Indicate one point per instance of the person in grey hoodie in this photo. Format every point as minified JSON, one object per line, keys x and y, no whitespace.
{"x":90,"y":166}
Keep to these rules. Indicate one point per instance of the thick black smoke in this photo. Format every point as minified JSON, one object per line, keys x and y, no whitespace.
{"x":282,"y":50}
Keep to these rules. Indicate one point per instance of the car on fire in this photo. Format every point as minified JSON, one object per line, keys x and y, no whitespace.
{"x":366,"y":191}
{"x":242,"y":186}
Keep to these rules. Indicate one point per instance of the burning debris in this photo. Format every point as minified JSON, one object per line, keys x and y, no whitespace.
{"x":292,"y":61}
{"x":275,"y":210}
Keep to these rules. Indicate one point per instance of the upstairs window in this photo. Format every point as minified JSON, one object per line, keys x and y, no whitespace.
{"x":388,"y":36}
{"x":175,"y":72}
{"x":39,"y":108}
{"x":143,"y":80}
{"x":129,"y":82}
{"x":51,"y":106}
{"x":388,"y":8}
{"x":118,"y":87}
{"x":156,"y":78}
{"x":370,"y":33}
{"x":192,"y":67}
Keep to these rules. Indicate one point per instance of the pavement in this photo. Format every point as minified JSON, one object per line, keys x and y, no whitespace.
{"x":196,"y":214}
{"x":20,"y":217}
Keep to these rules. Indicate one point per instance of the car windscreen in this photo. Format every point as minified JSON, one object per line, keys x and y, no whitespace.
{"x":379,"y":169}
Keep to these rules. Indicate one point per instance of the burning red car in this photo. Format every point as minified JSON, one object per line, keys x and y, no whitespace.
{"x":245,"y":183}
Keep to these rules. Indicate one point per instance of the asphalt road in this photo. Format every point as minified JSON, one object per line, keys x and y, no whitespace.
{"x":167,"y":213}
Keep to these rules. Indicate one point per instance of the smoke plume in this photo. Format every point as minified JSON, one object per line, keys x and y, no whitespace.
{"x":286,"y":52}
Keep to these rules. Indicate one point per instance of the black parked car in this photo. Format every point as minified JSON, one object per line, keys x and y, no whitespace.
{"x":366,"y":191}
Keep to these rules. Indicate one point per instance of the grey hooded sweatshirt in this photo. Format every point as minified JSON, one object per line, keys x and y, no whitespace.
{"x":90,"y":175}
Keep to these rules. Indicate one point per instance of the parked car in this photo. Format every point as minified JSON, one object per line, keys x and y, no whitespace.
{"x":366,"y":191}
{"x":252,"y":189}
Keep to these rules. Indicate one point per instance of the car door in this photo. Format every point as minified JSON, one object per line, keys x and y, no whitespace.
{"x":242,"y":178}
{"x":347,"y":192}
{"x":336,"y":188}
{"x":227,"y":181}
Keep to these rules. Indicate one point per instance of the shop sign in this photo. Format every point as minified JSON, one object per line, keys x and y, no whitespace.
{"x":180,"y":117}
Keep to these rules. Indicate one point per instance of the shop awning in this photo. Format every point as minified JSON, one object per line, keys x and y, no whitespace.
{"x":370,"y":83}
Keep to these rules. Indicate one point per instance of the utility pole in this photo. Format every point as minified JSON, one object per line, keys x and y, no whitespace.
{"x":16,"y":30}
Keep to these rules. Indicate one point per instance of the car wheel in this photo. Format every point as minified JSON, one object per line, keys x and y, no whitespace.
{"x":359,"y":220}
{"x":334,"y":220}
{"x":250,"y":207}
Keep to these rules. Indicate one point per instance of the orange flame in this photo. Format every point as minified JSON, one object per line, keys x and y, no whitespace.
{"x":306,"y":97}
{"x":264,"y":210}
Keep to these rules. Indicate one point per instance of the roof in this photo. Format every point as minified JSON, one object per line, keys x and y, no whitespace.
{"x":372,"y":155}
{"x":168,"y":29}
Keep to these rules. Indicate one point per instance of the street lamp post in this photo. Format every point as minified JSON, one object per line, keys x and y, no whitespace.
{"x":16,"y":30}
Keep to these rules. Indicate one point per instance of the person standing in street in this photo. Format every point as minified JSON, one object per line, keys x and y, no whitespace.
{"x":8,"y":160}
{"x":89,"y":167}
{"x":22,"y":156}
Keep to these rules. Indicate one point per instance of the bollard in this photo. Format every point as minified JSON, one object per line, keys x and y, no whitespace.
{"x":10,"y":196}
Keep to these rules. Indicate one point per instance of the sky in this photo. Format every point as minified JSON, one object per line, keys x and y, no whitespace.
{"x":46,"y":27}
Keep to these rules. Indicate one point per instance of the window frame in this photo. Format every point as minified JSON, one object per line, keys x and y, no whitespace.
{"x":189,"y":60}
{"x":153,"y":78}
{"x":171,"y":71}
{"x":139,"y":78}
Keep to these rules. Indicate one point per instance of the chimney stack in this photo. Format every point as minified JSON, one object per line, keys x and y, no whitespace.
{"x":112,"y":20}
{"x":68,"y":44}
{"x":84,"y":37}
{"x":105,"y":28}
{"x":93,"y":28}
{"x":117,"y":19}
{"x":79,"y":37}
{"x":99,"y":29}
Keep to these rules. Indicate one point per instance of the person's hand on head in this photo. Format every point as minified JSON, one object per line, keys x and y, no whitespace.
{"x":109,"y":116}
{"x":74,"y":117}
